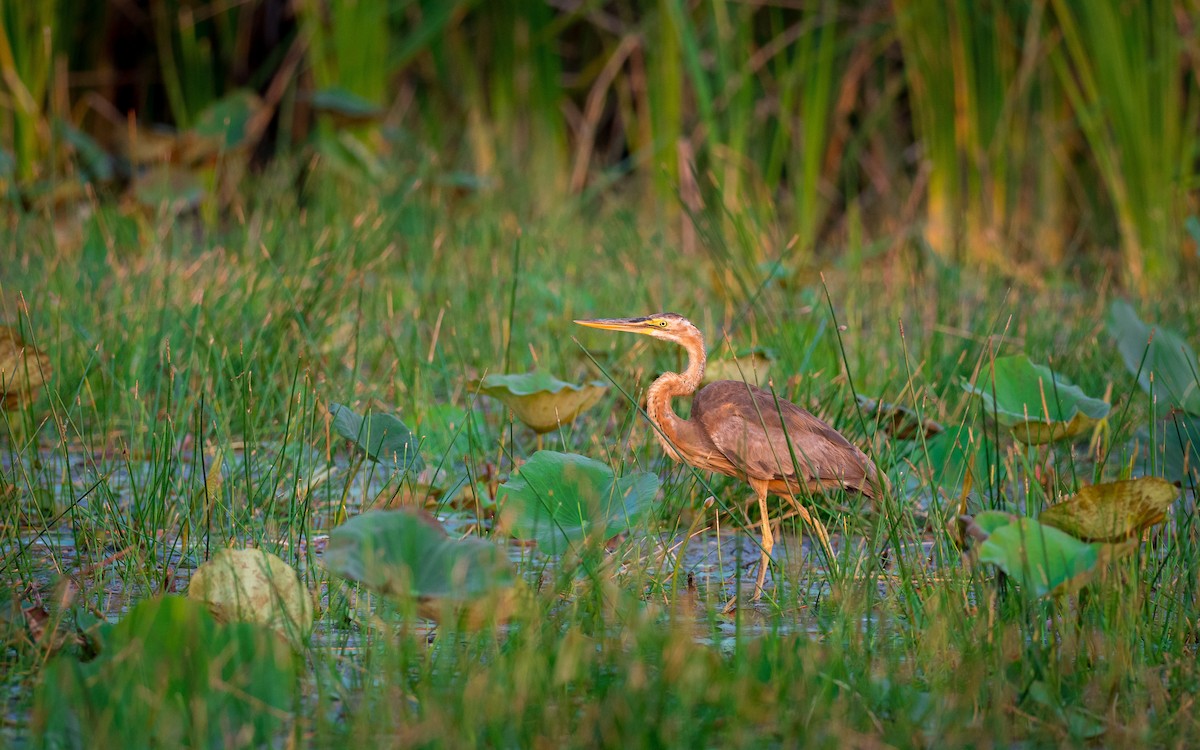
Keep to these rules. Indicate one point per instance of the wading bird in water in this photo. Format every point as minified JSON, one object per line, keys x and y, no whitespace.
{"x":743,"y":431}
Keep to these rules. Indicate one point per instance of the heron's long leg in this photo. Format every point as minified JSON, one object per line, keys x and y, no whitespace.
{"x":814,"y":524}
{"x":768,"y":539}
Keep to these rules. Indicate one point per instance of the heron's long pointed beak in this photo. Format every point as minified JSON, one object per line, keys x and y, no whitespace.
{"x":633,"y":325}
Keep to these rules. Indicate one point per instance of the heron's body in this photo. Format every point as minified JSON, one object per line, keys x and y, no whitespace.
{"x":743,"y":431}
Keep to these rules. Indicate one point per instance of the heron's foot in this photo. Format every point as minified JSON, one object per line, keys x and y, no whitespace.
{"x":763,"y":564}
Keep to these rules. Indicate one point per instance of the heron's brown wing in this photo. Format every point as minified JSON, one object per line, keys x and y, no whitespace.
{"x":754,"y":432}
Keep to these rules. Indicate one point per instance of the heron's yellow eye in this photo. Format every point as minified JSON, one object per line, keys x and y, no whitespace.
{"x":662,"y":323}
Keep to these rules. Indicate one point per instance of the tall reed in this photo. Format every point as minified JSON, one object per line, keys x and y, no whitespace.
{"x":27,"y":45}
{"x":1124,"y":68}
{"x":969,"y":68}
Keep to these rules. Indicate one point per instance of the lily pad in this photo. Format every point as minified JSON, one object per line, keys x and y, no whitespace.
{"x":383,"y":438}
{"x":24,"y":369}
{"x":252,"y":585}
{"x":540,"y":400}
{"x":563,"y":499}
{"x":407,"y":555}
{"x":221,"y":127}
{"x":1041,"y":559}
{"x":1037,"y":405}
{"x":1158,"y":356}
{"x":1114,"y":511}
{"x":228,"y":118}
{"x":170,"y":675}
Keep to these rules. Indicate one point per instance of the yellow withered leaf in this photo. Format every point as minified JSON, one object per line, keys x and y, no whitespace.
{"x":23,"y":370}
{"x":1040,"y":432}
{"x":1114,"y":511}
{"x":252,"y":585}
{"x":539,"y":400}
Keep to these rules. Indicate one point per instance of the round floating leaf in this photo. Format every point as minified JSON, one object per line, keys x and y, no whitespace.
{"x":23,"y":370}
{"x":1042,"y":559}
{"x":222,"y":127}
{"x":252,"y":585}
{"x":1167,"y":357}
{"x":564,"y":499}
{"x":990,"y":520}
{"x":170,"y":675}
{"x":408,"y":556}
{"x":382,"y":437}
{"x":1035,"y":404}
{"x":540,"y":400}
{"x":1114,"y":511}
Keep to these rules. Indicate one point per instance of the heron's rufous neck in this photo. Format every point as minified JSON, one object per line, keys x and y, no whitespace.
{"x":671,"y":385}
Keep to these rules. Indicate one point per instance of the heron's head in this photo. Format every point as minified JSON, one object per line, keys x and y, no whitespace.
{"x":667,"y":326}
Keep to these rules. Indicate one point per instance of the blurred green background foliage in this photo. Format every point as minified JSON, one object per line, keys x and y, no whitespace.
{"x":1020,"y":134}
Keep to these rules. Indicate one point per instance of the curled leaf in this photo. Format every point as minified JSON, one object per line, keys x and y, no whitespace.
{"x":541,"y":401}
{"x":1034,"y":403}
{"x":382,"y":437}
{"x":1114,"y":511}
{"x":407,"y":555}
{"x":1041,"y":559}
{"x":1159,"y":357}
{"x":252,"y":585}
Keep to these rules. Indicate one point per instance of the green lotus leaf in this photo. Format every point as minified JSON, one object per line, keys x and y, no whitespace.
{"x":382,"y":437}
{"x":1041,"y":559}
{"x":1158,"y":356}
{"x":407,"y":555}
{"x":225,"y":124}
{"x":561,"y":500}
{"x":1036,"y":405}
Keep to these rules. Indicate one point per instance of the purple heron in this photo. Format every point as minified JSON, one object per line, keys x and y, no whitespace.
{"x":743,"y":431}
